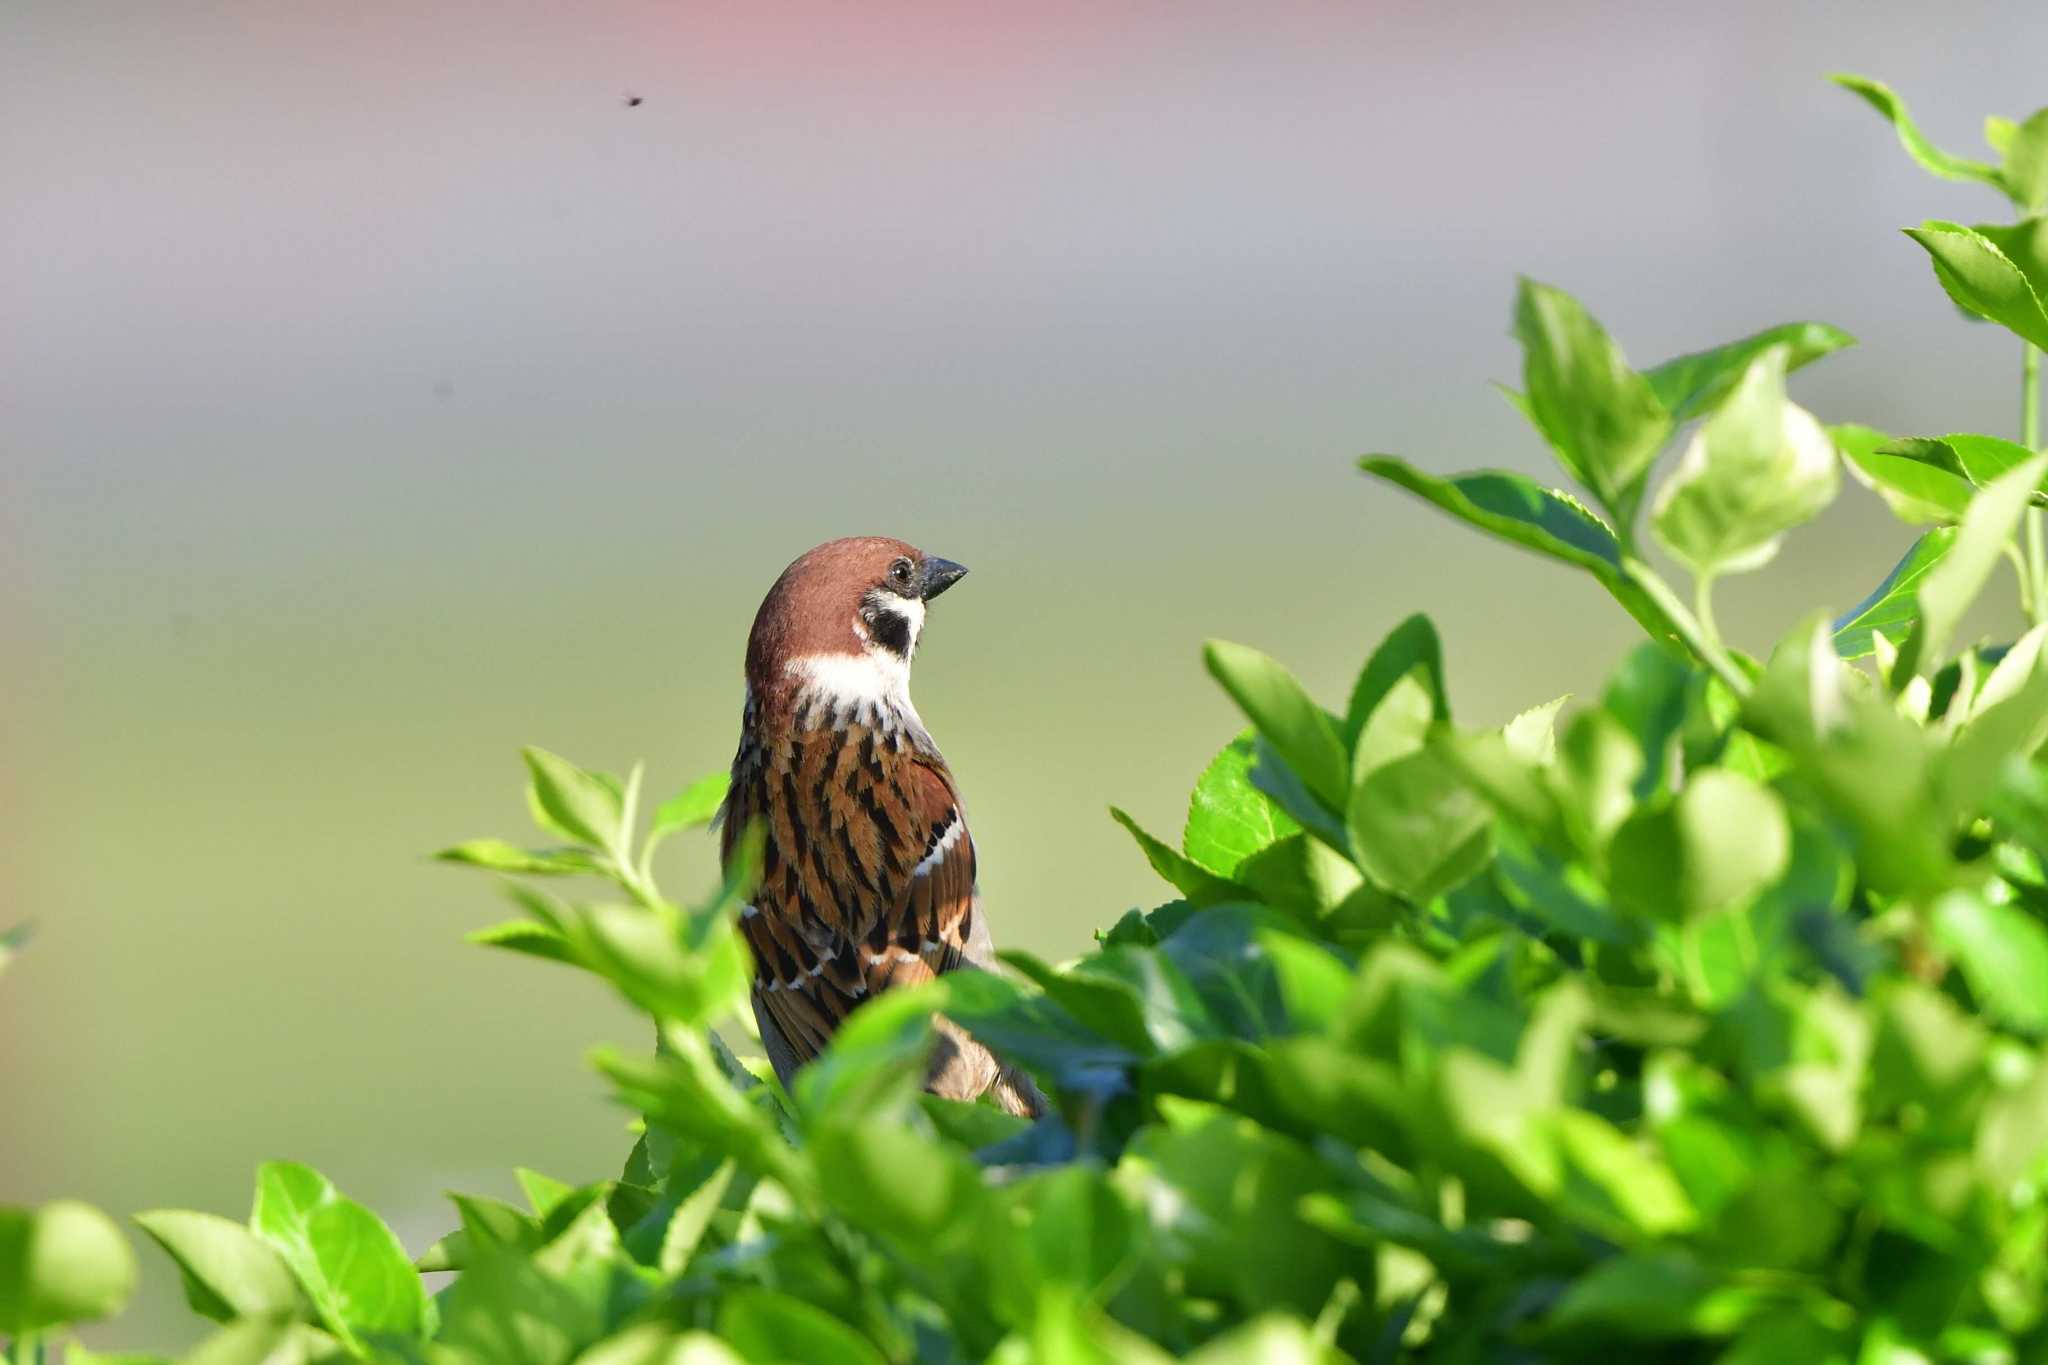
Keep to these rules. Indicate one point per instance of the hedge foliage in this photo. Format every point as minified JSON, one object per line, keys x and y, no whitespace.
{"x":1701,"y":1019}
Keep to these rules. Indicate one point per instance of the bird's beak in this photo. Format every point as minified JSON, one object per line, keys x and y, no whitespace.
{"x":939,"y":575}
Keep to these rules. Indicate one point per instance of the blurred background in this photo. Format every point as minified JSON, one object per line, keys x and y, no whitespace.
{"x":381,"y":390}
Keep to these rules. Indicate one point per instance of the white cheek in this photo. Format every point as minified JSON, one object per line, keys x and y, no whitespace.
{"x":912,"y":611}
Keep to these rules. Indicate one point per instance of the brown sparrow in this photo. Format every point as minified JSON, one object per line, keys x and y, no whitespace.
{"x":867,"y":872}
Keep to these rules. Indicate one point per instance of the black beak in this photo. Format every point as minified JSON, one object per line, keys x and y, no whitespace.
{"x":939,"y":575}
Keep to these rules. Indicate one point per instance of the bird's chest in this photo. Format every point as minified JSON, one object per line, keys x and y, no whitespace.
{"x":833,"y":808}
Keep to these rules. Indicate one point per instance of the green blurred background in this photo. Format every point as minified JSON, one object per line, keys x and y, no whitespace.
{"x":380,"y":392}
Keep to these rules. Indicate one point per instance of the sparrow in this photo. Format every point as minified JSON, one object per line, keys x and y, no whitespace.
{"x":867,"y":876}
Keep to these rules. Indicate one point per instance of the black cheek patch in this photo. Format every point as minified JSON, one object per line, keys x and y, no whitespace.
{"x":891,"y":630}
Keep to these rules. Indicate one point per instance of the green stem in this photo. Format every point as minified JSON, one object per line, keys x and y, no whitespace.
{"x":1683,"y":625}
{"x":1695,"y":964}
{"x":1703,"y":607}
{"x":2030,"y":397}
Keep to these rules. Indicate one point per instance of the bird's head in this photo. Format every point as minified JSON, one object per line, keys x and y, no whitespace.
{"x":846,"y":618}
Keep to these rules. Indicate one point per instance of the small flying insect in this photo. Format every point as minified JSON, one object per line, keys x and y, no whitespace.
{"x":632,"y":101}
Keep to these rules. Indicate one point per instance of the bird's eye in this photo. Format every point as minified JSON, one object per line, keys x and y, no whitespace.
{"x":899,"y":573}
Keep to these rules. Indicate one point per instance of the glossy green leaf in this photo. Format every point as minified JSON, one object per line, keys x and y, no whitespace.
{"x":1982,"y":279}
{"x":692,"y":968}
{"x":1411,"y":649}
{"x":524,"y":936}
{"x":1656,"y":1294}
{"x":1918,"y":490}
{"x":1952,"y":584}
{"x":2003,"y":954}
{"x":767,"y":1326}
{"x":2026,"y":163}
{"x":61,"y":1263}
{"x":1603,"y":420}
{"x":265,"y":1341}
{"x":499,"y":856}
{"x":1515,"y":509}
{"x":570,"y":802}
{"x":349,"y":1264}
{"x":1229,"y":818}
{"x":1270,"y":1339}
{"x":1693,"y":384}
{"x":228,"y":1271}
{"x":1973,"y":458}
{"x":1931,"y":158}
{"x":1755,"y":469}
{"x":1723,"y":840}
{"x":1203,"y":1174}
{"x":1417,"y":827}
{"x":687,"y":1225}
{"x":1893,"y":607}
{"x":695,"y":805}
{"x":1191,"y":879}
{"x":652,"y":1343}
{"x":1301,"y":872}
{"x":1285,"y":715}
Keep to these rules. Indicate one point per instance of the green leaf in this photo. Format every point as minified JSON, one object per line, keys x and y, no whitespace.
{"x":1917,"y":490}
{"x":1757,"y":468}
{"x":1602,"y":419}
{"x":544,"y":1194}
{"x":2003,"y":954}
{"x":1622,"y":1172}
{"x":571,"y":802}
{"x":2012,"y":1136}
{"x":1205,"y":1176}
{"x":2026,"y":163}
{"x":686,"y":1089}
{"x":1289,"y":719}
{"x":691,"y":968}
{"x":265,"y":1341}
{"x":971,"y":1125}
{"x":1417,"y":827}
{"x":347,"y":1261}
{"x":1397,"y":727}
{"x":1229,"y":819}
{"x":1983,"y":279}
{"x":1656,"y":1294}
{"x":1893,"y":607}
{"x":1975,"y":459}
{"x":1512,"y":508}
{"x":695,"y":805}
{"x":1411,"y":649}
{"x":1723,"y":840}
{"x":1692,"y":384}
{"x":1301,"y":873}
{"x":61,"y":1263}
{"x":499,"y":856}
{"x":229,"y":1272}
{"x":2008,"y":720}
{"x":1951,"y":585}
{"x":687,"y":1225}
{"x":767,"y":1326}
{"x":1269,"y":1339}
{"x":1931,"y":158}
{"x":653,"y":1343}
{"x":524,"y":936}
{"x":505,"y":1309}
{"x":1192,"y":880}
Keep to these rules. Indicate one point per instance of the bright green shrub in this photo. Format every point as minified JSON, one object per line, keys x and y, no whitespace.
{"x":1701,"y":1019}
